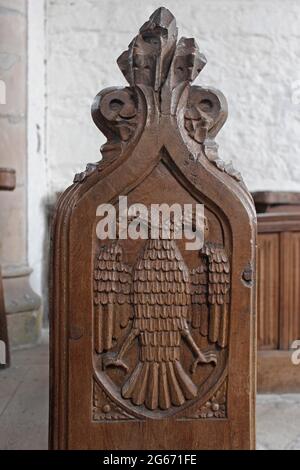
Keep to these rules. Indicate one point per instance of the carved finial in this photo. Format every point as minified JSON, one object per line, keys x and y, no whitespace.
{"x":187,"y":62}
{"x":149,"y":55}
{"x":160,"y":72}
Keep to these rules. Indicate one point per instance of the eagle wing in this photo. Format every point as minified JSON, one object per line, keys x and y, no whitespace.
{"x":199,"y":289}
{"x":210,"y":284}
{"x":112,"y":288}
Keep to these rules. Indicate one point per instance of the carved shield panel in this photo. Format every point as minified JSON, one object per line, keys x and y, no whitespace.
{"x":144,"y":330}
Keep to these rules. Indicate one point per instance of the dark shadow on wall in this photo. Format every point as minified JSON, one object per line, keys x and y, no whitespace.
{"x":49,"y":208}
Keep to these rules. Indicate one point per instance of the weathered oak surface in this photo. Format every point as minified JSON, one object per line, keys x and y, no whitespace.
{"x":153,"y":345}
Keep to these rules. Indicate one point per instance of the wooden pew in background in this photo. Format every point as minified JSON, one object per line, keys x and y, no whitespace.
{"x":278,"y":279}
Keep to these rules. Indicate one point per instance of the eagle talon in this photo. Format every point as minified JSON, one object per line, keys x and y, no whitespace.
{"x":112,"y":360}
{"x":204,"y":358}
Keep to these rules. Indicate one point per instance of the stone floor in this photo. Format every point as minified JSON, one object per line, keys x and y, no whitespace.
{"x":24,"y":407}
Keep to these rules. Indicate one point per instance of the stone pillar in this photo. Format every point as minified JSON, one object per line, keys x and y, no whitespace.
{"x":22,"y":304}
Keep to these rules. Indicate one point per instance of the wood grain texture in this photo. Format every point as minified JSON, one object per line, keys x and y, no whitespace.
{"x":153,"y":345}
{"x":290,"y":292}
{"x":278,"y":292}
{"x":276,"y":373}
{"x":278,"y":277}
{"x":268,"y":287}
{"x":276,"y":201}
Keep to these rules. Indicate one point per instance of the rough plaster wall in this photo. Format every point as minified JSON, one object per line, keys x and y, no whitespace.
{"x":37,"y":161}
{"x":253,"y":52}
{"x":13,"y":139}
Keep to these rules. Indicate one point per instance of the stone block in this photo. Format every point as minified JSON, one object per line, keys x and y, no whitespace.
{"x":13,"y":226}
{"x":24,"y":329}
{"x":13,"y":141}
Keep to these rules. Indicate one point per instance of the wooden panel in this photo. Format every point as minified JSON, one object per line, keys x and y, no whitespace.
{"x":278,"y":292}
{"x":268,"y":291}
{"x":290,"y":288}
{"x":278,"y":222}
{"x":276,"y":373}
{"x":276,"y":201}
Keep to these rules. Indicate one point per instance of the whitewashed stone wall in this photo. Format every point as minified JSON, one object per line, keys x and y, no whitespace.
{"x":38,"y":178}
{"x":253,"y":52}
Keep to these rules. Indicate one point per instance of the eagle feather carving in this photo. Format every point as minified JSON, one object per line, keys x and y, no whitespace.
{"x":161,"y":298}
